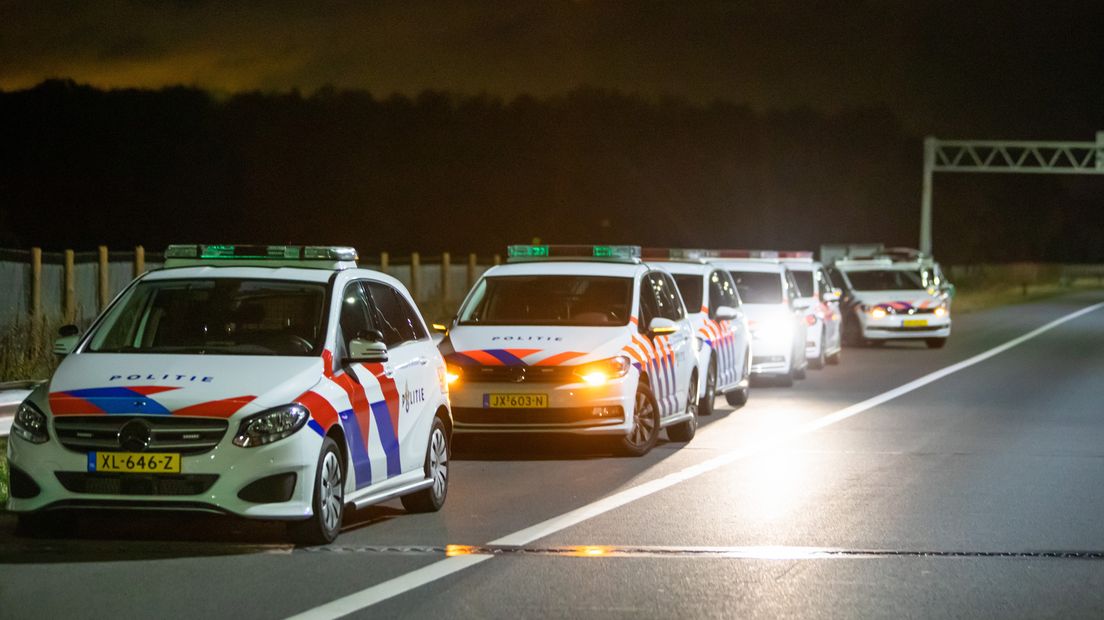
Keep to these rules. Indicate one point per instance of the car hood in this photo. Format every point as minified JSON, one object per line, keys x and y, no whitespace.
{"x":491,"y":345}
{"x":766,"y":312}
{"x":899,"y":300}
{"x":187,"y":385}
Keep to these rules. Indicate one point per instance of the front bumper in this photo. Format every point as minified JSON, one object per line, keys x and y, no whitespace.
{"x":210,"y":481}
{"x":894,"y":327}
{"x":771,"y":356}
{"x":574,"y":408}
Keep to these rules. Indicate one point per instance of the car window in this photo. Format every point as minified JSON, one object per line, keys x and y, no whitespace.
{"x":649,"y":309}
{"x":823,"y":283}
{"x":579,"y":300}
{"x":399,"y":323}
{"x":668,"y":301}
{"x":759,"y":287}
{"x":355,"y":313}
{"x":886,"y":280}
{"x":722,"y":292}
{"x":804,"y":280}
{"x":692,"y":289}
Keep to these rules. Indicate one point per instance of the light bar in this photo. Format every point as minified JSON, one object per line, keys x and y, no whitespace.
{"x":260,"y":252}
{"x":516,"y":253}
{"x":679,"y":254}
{"x":746,"y":254}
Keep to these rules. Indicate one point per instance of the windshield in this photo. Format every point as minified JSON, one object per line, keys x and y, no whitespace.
{"x":758,"y":287}
{"x":550,"y":300}
{"x":691,"y":287}
{"x":224,"y":316}
{"x":885,"y":280}
{"x":805,"y":286}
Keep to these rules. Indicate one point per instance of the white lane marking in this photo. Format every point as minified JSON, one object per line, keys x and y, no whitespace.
{"x":399,"y":585}
{"x":392,"y":587}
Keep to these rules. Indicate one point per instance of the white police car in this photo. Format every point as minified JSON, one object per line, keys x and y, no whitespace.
{"x":886,"y":299}
{"x":778,"y":327}
{"x":586,"y":340}
{"x":273,"y":382}
{"x":717,"y":316}
{"x":820,"y":300}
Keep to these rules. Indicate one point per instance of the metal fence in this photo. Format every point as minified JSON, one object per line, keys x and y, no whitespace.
{"x":73,"y":287}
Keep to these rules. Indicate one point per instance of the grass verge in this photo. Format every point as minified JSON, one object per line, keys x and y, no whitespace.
{"x":970,"y":299}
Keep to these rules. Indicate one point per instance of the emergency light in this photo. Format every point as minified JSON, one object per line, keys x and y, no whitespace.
{"x":329,"y":257}
{"x":679,"y":254}
{"x":619,"y":253}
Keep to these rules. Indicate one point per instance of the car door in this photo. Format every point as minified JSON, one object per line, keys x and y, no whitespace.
{"x":829,"y":308}
{"x":722,"y":292}
{"x":678,"y":346}
{"x":409,"y":372}
{"x":366,"y":447}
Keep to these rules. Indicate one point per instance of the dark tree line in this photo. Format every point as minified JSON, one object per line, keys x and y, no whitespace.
{"x":80,"y":167}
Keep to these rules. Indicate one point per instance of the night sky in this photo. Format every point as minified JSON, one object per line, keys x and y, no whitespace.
{"x":960,"y":69}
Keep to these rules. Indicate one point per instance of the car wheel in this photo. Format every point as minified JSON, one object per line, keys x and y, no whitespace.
{"x":705,"y":406}
{"x":799,"y":373}
{"x":684,"y":431}
{"x":432,"y":498}
{"x":645,"y":429}
{"x":852,"y":332}
{"x":737,"y":398}
{"x":834,"y":359}
{"x":819,"y":361}
{"x":935,"y":343}
{"x":328,"y":504}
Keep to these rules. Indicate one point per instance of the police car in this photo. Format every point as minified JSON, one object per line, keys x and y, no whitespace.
{"x":717,"y":317}
{"x":820,"y":300}
{"x":778,"y":328}
{"x":272,"y":382}
{"x":585,"y":340}
{"x":886,"y":299}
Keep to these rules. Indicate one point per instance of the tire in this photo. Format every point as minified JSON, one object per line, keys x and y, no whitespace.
{"x":852,"y":332}
{"x":935,"y":343}
{"x":684,"y":431}
{"x":799,"y":373}
{"x":821,"y":359}
{"x":432,"y":498}
{"x":328,"y":501}
{"x":834,"y":359}
{"x":737,"y":398}
{"x":705,"y":405}
{"x":646,"y":420}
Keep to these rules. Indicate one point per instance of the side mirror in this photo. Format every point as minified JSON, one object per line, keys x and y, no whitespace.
{"x":367,"y":346}
{"x":661,"y":326}
{"x":832,"y":295}
{"x":68,"y":337}
{"x":726,"y":313}
{"x":950,"y":288}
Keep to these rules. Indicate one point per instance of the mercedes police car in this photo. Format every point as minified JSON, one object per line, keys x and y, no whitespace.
{"x":886,"y":299}
{"x":778,"y":328}
{"x":272,"y":382}
{"x":586,"y":340}
{"x":717,"y":317}
{"x":820,"y":300}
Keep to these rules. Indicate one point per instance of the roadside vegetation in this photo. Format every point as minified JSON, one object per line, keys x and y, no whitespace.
{"x":987,"y":286}
{"x":26,"y":350}
{"x":3,"y":472}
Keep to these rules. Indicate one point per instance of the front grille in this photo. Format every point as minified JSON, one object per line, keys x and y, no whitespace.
{"x":99,"y":483}
{"x":768,"y":359}
{"x":167,"y":433}
{"x":538,"y":417}
{"x":917,"y":328}
{"x":519,"y":374}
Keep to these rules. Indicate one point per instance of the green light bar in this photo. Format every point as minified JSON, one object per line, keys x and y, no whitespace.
{"x":605,"y":252}
{"x":261,"y":252}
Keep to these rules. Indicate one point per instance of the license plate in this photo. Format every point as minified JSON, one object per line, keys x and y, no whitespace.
{"x":134,"y":462}
{"x":916,"y":322}
{"x":515,"y":401}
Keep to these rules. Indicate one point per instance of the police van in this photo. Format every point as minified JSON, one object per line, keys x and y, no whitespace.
{"x":271,"y":382}
{"x":717,"y":316}
{"x":778,"y":327}
{"x":582,"y":340}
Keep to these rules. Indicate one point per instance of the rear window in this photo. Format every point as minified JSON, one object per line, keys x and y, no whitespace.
{"x":758,"y":287}
{"x":691,"y":287}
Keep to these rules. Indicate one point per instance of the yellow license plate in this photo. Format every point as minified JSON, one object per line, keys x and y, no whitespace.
{"x":515,"y":401}
{"x":134,"y":462}
{"x":916,"y":322}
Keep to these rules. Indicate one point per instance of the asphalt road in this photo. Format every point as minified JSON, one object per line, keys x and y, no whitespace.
{"x":975,"y":492}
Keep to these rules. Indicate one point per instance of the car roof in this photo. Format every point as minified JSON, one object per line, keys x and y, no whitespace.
{"x":684,"y":267}
{"x":303,"y":274}
{"x":765,"y":266}
{"x":804,"y":266}
{"x":568,"y":268}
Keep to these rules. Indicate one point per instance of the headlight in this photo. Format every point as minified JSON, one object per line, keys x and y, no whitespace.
{"x":272,"y":425}
{"x":30,"y":424}
{"x":597,"y":373}
{"x":773,"y":330}
{"x":452,"y":373}
{"x":941,"y":311}
{"x":877,"y":312}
